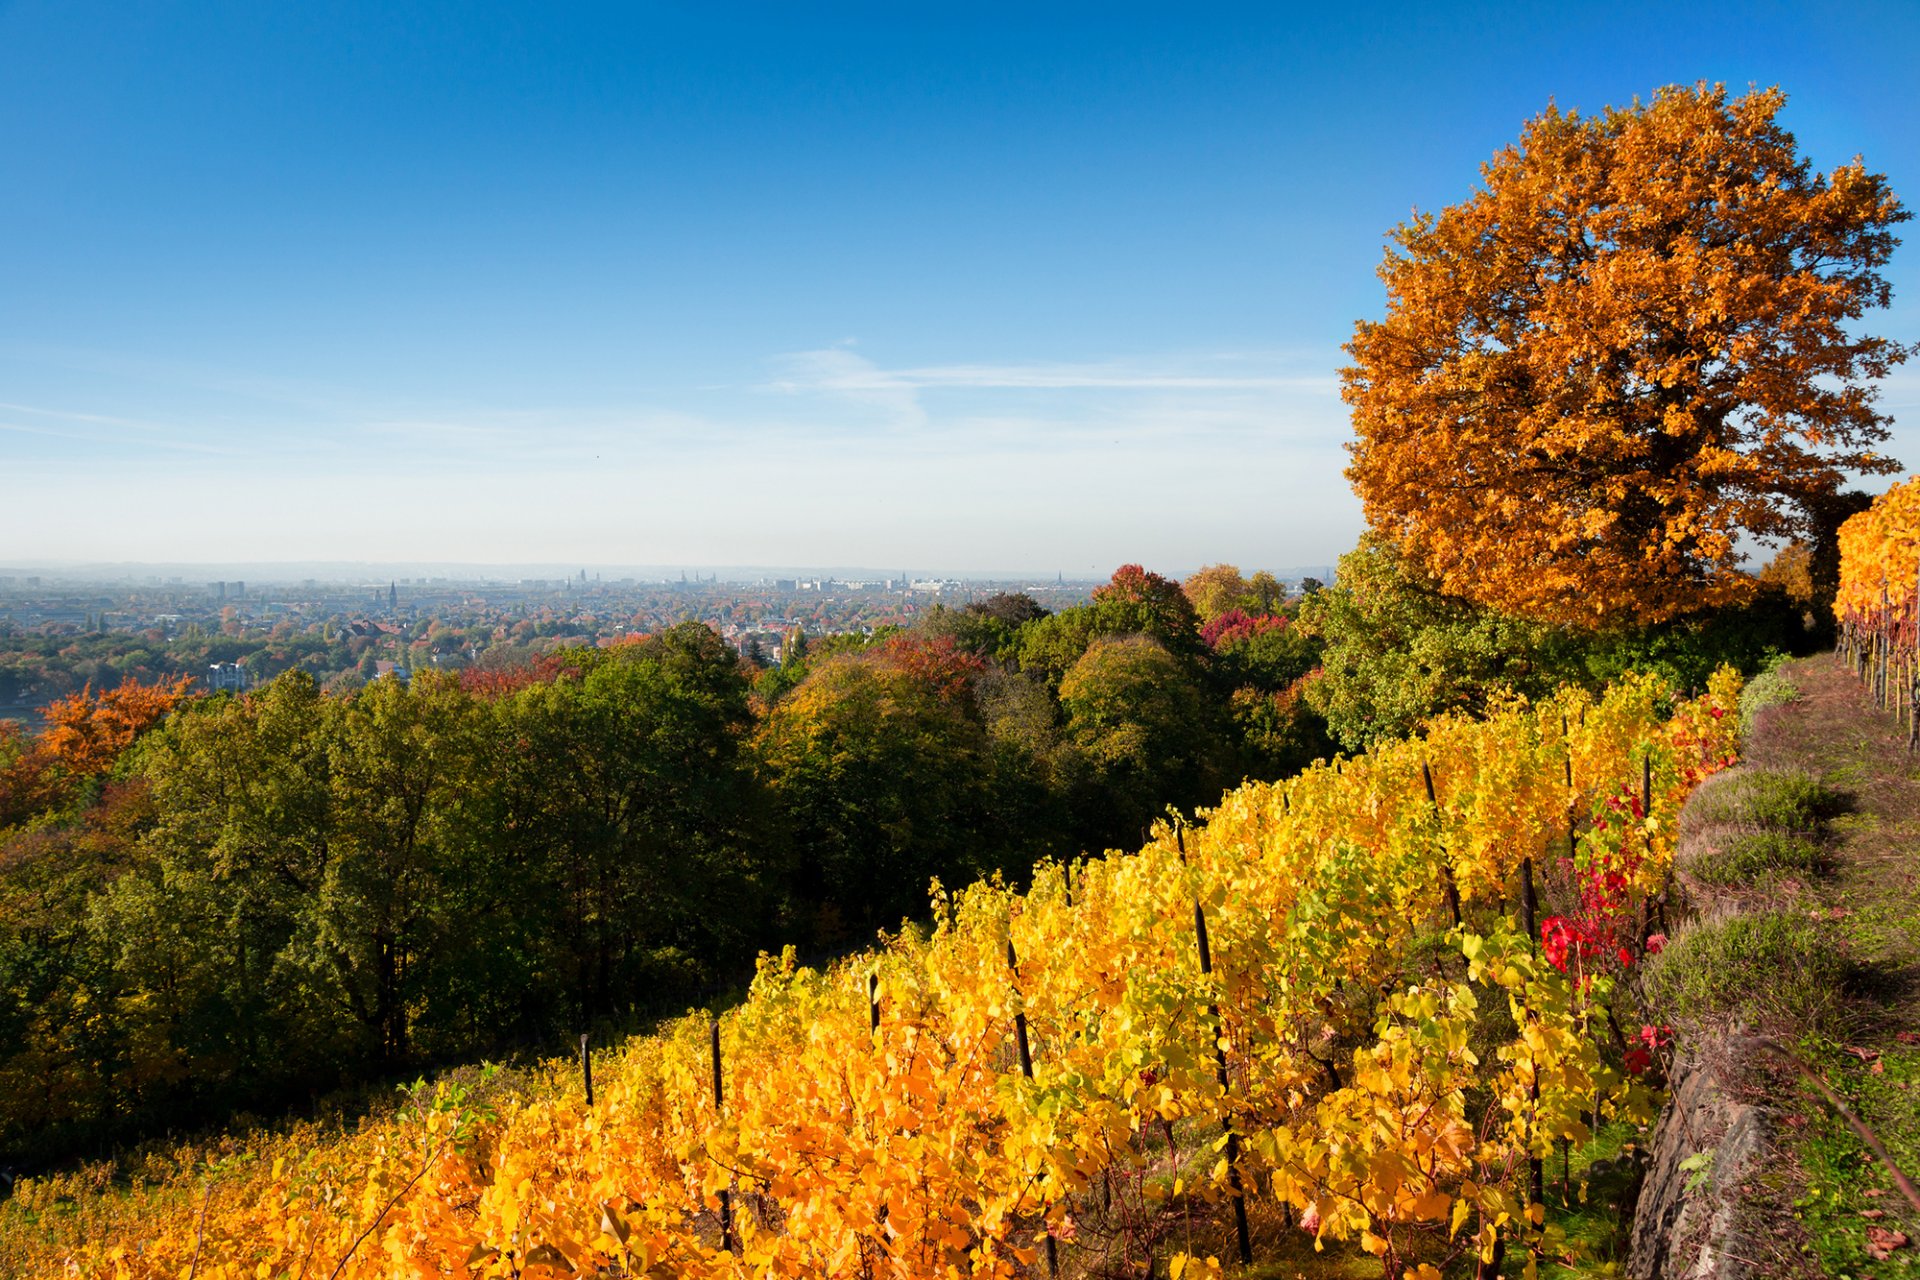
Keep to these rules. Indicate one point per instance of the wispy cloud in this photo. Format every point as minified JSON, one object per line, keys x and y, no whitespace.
{"x":843,"y":372}
{"x":839,"y":368}
{"x":105,"y":438}
{"x":67,"y":415}
{"x":1235,"y":388}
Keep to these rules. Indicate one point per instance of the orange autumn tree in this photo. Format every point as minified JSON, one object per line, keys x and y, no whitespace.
{"x":83,"y":736}
{"x":1627,"y":349}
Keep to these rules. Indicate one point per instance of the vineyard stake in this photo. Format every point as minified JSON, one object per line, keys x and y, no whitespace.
{"x":1536,"y":1167}
{"x":1529,"y":904}
{"x":586,"y":1069}
{"x":1220,"y":1066}
{"x":1026,"y":1069}
{"x":719,"y":1103}
{"x":873,"y":1003}
{"x":1566,"y":740}
{"x":1451,"y":889}
{"x":1019,"y":1016}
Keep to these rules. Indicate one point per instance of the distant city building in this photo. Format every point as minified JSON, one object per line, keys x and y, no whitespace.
{"x":228,"y":676}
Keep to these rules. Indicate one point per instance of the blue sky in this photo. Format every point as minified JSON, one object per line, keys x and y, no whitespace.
{"x":962,"y":287}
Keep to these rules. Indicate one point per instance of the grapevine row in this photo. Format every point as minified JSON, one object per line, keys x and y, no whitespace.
{"x":1878,"y":604}
{"x":976,"y":1098}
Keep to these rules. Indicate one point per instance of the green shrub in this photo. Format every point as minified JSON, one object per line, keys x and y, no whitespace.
{"x":1788,"y":799}
{"x":1776,"y":971}
{"x":1752,"y":858}
{"x":1768,"y":689}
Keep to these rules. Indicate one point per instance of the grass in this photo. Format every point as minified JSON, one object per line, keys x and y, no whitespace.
{"x":1842,"y":1180}
{"x":1787,"y":799}
{"x":1601,"y":1175}
{"x":1757,"y":858}
{"x":1770,"y":688}
{"x":1775,"y":970}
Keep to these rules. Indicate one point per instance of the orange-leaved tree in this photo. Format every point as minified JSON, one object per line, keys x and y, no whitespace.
{"x":1627,"y":349}
{"x":83,"y":737}
{"x":86,"y":733}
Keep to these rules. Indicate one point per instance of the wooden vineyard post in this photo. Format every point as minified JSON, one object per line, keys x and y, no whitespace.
{"x":1026,"y":1069}
{"x":1019,"y":1016}
{"x":1529,"y":904}
{"x":1220,"y":1065}
{"x":873,"y":1029}
{"x":1572,"y":834}
{"x":586,"y":1068}
{"x":719,"y":1105}
{"x":1448,"y":886}
{"x":1883,"y":667}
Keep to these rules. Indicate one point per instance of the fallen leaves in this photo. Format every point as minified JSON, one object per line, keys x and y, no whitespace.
{"x":1882,"y":1241}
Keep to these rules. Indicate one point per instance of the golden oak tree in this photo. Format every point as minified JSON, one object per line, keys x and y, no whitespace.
{"x":1629,"y":347}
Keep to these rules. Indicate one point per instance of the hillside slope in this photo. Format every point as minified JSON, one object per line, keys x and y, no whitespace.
{"x":1814,"y":848}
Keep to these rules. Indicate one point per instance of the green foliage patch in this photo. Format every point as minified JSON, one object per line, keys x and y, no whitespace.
{"x":1775,"y":970}
{"x":1846,"y":1189}
{"x":1750,"y":859}
{"x":1399,"y":650}
{"x":1769,"y":688}
{"x":1785,"y":799}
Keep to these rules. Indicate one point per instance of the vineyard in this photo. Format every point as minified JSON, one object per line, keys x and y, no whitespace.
{"x":1368,"y":1005}
{"x":1876,"y":605}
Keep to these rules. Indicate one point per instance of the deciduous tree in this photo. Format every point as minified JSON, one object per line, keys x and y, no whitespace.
{"x":1629,"y":348}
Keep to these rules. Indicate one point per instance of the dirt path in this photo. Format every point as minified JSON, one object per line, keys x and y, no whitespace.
{"x":1832,"y":1203}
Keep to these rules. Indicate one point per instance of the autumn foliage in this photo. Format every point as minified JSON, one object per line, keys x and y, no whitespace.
{"x":1880,"y":557}
{"x":84,"y":734}
{"x":875,"y":1118}
{"x":1627,"y":349}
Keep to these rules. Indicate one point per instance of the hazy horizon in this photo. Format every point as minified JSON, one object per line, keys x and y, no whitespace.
{"x":279,"y":572}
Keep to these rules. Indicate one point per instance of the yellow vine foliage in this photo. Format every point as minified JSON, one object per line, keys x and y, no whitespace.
{"x":1627,"y":348}
{"x":1880,"y":553}
{"x":919,"y":1148}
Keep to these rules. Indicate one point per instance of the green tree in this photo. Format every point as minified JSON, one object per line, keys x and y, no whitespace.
{"x":406,"y":780}
{"x":1146,"y":733}
{"x":636,"y":824}
{"x":881,"y":780}
{"x":1133,"y":602}
{"x":1399,"y":650}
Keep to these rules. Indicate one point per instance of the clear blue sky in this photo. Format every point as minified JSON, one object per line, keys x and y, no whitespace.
{"x":950,"y":286}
